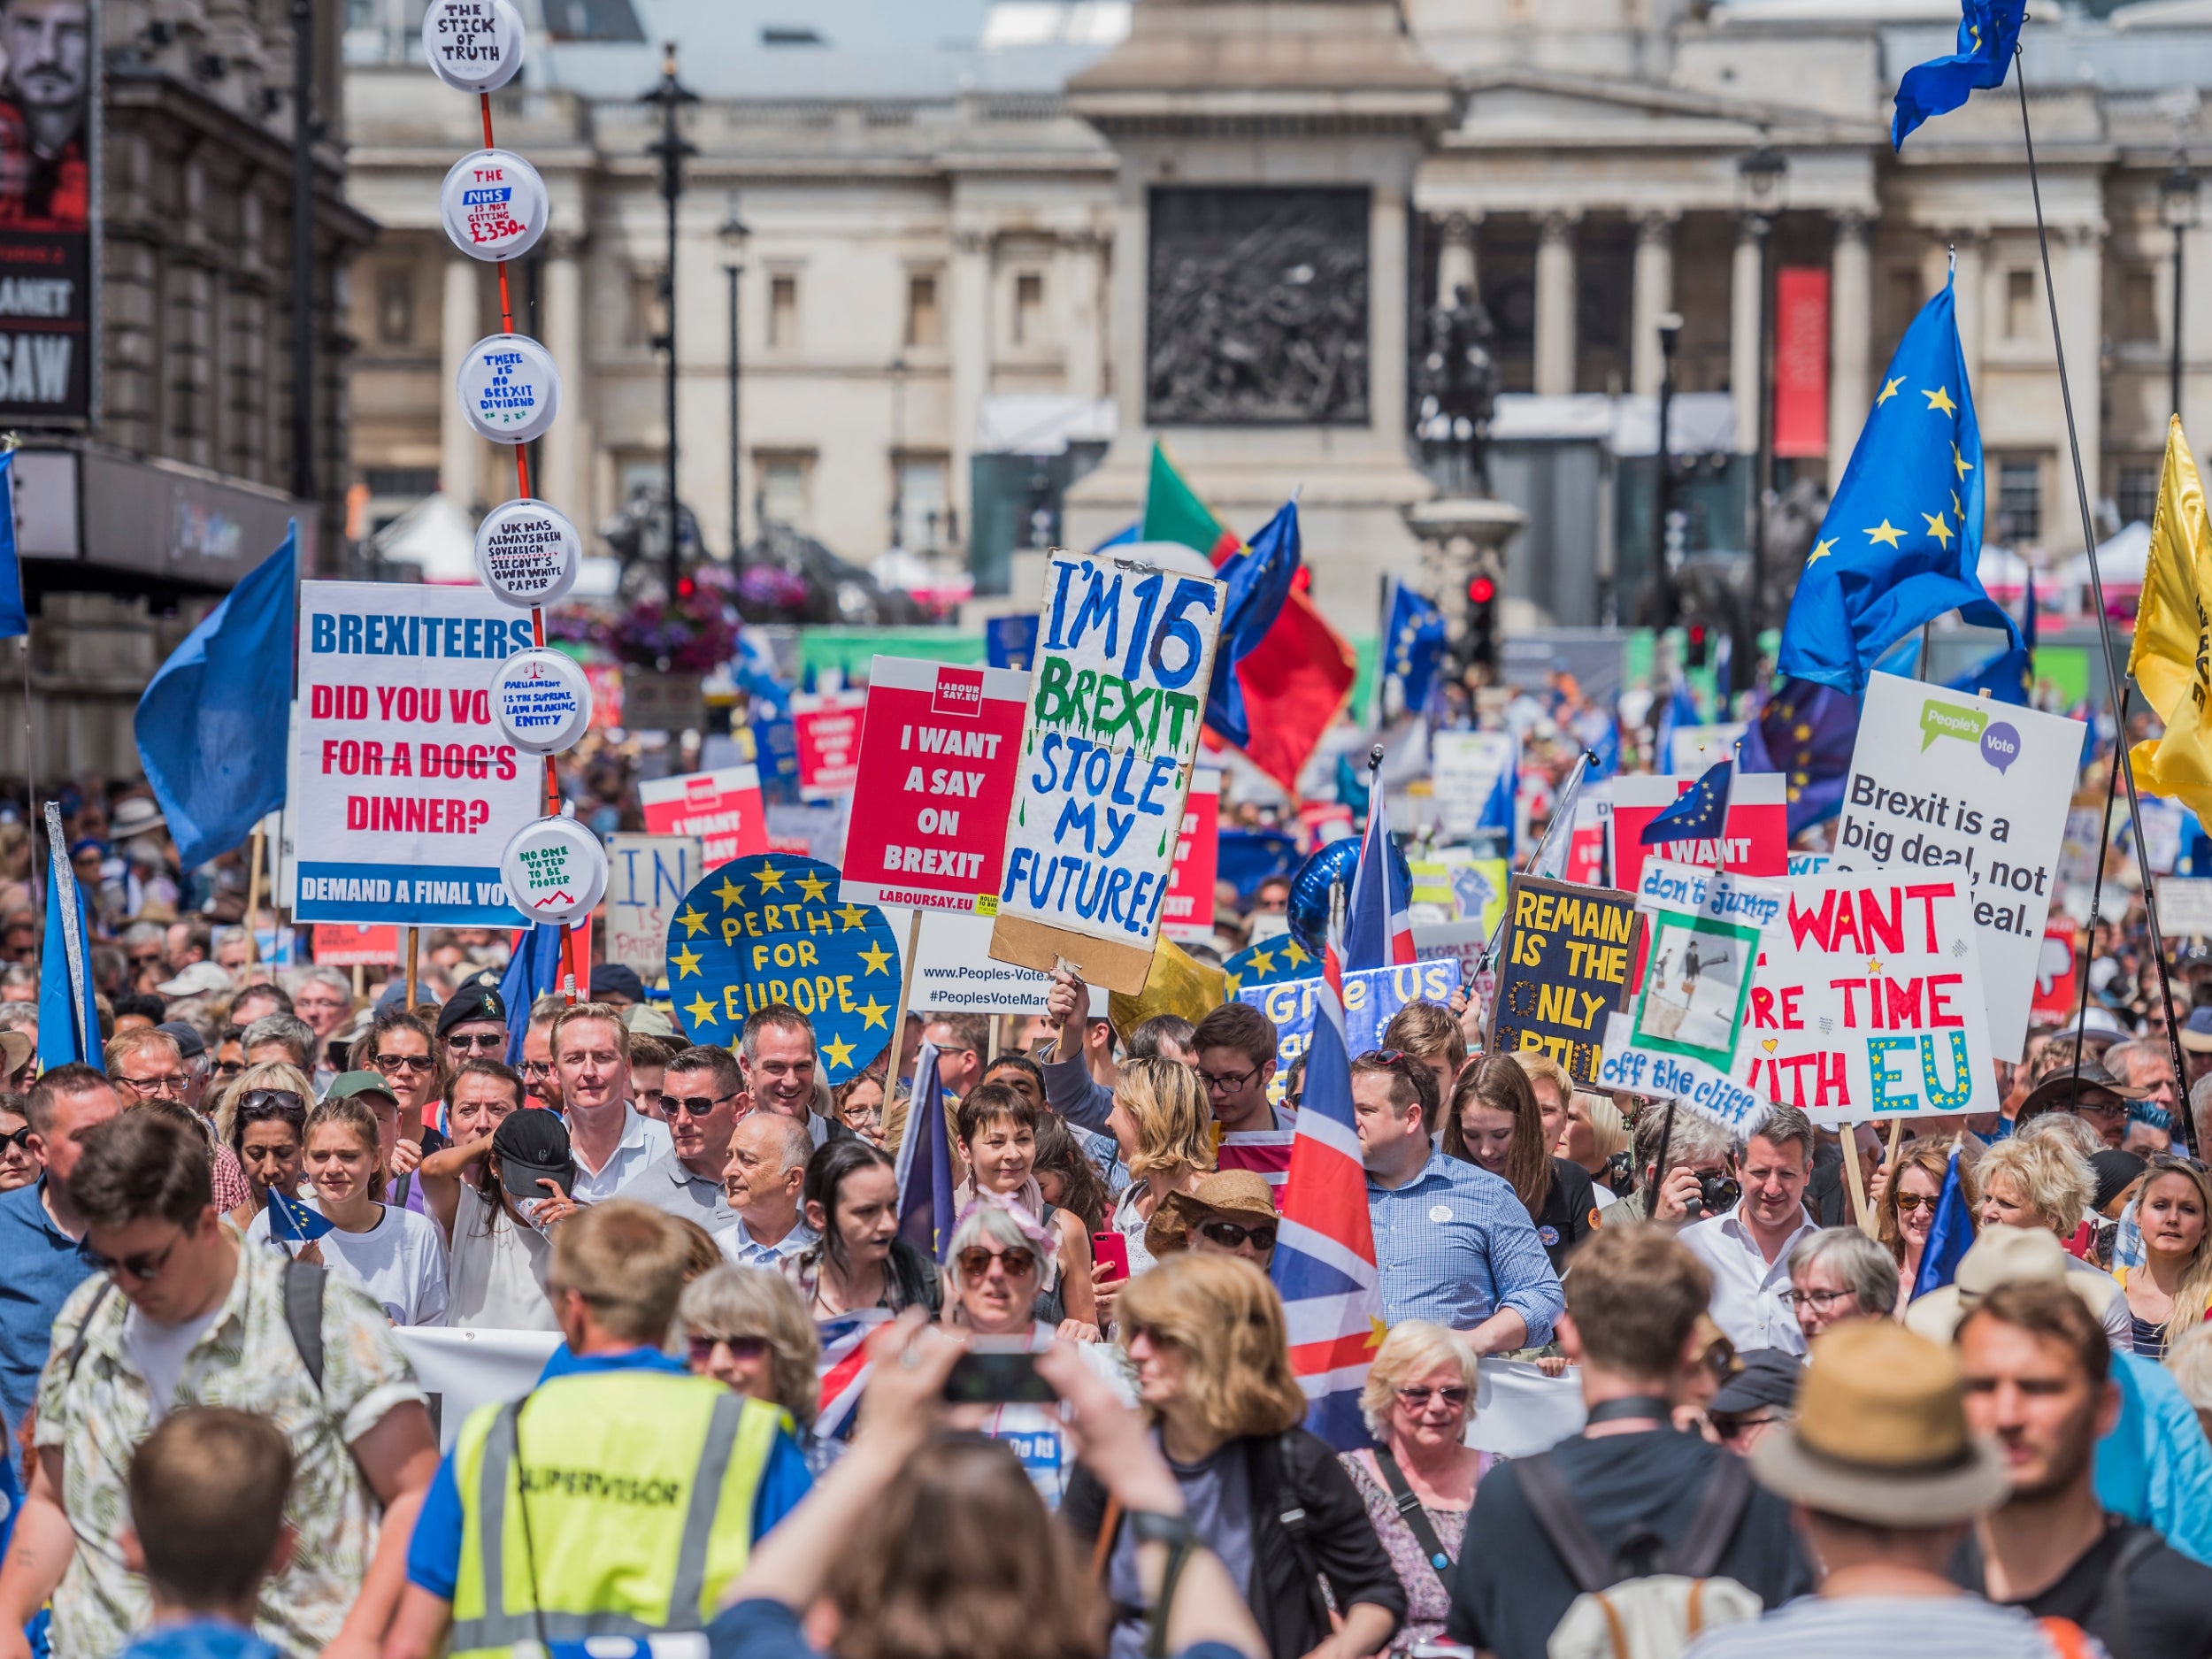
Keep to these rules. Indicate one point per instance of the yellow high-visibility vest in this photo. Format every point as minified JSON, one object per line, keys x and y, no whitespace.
{"x":610,"y":1503}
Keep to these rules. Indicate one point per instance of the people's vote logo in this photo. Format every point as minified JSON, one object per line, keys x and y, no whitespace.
{"x":769,"y":928}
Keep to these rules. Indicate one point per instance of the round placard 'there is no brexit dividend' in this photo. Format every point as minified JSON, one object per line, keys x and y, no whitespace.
{"x":509,"y":390}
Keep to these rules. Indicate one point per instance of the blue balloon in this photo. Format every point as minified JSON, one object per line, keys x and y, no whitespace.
{"x":1329,"y":868}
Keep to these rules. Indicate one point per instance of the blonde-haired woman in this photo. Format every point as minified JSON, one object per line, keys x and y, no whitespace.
{"x":746,"y":1327}
{"x":1420,"y":1392}
{"x":1207,"y":1337}
{"x":1160,"y":1116}
{"x":2169,"y":1294}
{"x":2041,"y":1182}
{"x":1549,"y":1081}
{"x":1597,"y":1133}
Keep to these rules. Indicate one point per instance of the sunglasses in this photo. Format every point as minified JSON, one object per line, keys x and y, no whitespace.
{"x":271,"y":1103}
{"x":1230,"y":1236}
{"x":537,"y":1068}
{"x":1912,"y":1203}
{"x":228,"y":1068}
{"x":395,"y":1062}
{"x":1417,"y":1399}
{"x":20,"y":1139}
{"x":695,"y":1105}
{"x":142,"y":1267}
{"x":745,"y":1349}
{"x":975,"y":1261}
{"x":479,"y":1042}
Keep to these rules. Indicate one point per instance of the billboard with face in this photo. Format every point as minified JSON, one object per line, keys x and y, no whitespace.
{"x":47,"y":127}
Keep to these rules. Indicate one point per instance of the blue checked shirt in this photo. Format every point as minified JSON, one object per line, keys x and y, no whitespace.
{"x":1454,"y":1245}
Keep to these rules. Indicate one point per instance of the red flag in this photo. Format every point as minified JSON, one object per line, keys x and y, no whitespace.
{"x":1294,"y":681}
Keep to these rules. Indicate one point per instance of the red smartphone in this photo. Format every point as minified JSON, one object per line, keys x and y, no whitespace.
{"x":1109,"y":1255}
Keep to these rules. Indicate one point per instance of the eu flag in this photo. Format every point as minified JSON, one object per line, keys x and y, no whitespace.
{"x":214,"y":723}
{"x":2009,"y":675}
{"x":533,"y":968}
{"x":1987,"y":30}
{"x":1697,"y":814}
{"x":1807,"y":733}
{"x":13,"y":618}
{"x":1416,"y":647}
{"x":1949,"y":1236}
{"x":295,"y":1221}
{"x":68,"y":1019}
{"x":1903,"y":535}
{"x":926,"y":1209}
{"x":1259,"y":581}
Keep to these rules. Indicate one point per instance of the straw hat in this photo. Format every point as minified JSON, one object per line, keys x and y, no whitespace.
{"x":1243,"y":1193}
{"x":1880,"y":1433}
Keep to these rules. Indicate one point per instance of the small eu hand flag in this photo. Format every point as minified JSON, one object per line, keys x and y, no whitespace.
{"x":1987,"y":31}
{"x":1699,"y":815}
{"x":293,"y":1221}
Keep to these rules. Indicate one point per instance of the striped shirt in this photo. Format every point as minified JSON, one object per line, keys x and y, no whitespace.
{"x":1851,"y":1627}
{"x":1454,"y":1245}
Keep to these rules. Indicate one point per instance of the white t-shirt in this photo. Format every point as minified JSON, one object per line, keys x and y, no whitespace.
{"x":159,"y":1351}
{"x":499,"y":1268}
{"x":1037,"y":1434}
{"x":401,"y":1262}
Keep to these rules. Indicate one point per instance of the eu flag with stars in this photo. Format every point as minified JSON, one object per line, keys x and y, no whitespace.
{"x":1807,"y":733}
{"x":1903,"y":535}
{"x":1698,"y":813}
{"x":1987,"y":30}
{"x":1417,"y":645}
{"x":1259,"y":582}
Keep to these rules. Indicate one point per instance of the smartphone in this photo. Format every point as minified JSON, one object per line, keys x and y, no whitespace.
{"x":997,"y":1370}
{"x":1109,"y":1255}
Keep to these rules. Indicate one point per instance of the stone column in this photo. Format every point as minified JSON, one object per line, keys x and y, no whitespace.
{"x":1850,"y":339}
{"x":1967,"y":299}
{"x":459,"y":449}
{"x":1654,"y":298}
{"x":1743,"y":336}
{"x":1083,"y":258}
{"x":1386,"y":323}
{"x":1556,"y":306}
{"x":565,"y":453}
{"x":2081,"y":311}
{"x":969,"y":345}
{"x":1456,"y":257}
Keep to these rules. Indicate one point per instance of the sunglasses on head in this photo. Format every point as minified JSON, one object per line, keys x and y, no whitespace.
{"x":1230,"y":1236}
{"x":975,"y":1261}
{"x":743,"y":1349}
{"x":270,"y":1102}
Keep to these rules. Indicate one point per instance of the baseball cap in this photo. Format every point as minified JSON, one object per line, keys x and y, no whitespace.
{"x":475,"y":1000}
{"x":533,"y":1146}
{"x":648,"y":1020}
{"x":197,"y":979}
{"x":1768,"y":1377}
{"x":618,"y":980}
{"x":348,"y":1084}
{"x":2196,"y":1031}
{"x":186,"y":1036}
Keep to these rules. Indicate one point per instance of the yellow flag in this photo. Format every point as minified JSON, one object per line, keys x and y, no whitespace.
{"x":2171,"y":659}
{"x":1178,"y":984}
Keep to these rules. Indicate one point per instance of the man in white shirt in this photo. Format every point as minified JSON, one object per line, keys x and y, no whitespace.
{"x":611,"y":1141}
{"x":767,"y":1169}
{"x":1748,"y":1249}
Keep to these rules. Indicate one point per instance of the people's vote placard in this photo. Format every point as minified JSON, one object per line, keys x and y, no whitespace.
{"x":1124,"y":653}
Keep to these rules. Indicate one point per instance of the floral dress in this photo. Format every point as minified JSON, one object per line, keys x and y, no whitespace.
{"x":1427,"y":1602}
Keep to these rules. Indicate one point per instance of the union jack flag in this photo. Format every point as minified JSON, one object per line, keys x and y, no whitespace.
{"x":1377,"y":922}
{"x":843,"y":1372}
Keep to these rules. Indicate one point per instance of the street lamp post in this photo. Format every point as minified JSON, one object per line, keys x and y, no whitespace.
{"x":671,"y":148}
{"x":1662,"y":489}
{"x":1761,"y":173}
{"x":735,"y":235}
{"x":2177,"y":206}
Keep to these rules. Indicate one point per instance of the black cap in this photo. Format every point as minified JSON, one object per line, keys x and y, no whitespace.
{"x":533,"y":1146}
{"x":2115,"y":1170}
{"x":1768,"y":1377}
{"x":190,"y":1044}
{"x":619,"y":978}
{"x":476,"y":1000}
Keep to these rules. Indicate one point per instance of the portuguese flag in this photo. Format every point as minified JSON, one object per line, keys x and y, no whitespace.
{"x":1296,"y":679}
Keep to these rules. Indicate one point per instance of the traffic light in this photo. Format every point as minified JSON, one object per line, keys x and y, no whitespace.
{"x":1482,"y":620}
{"x":1694,"y":656}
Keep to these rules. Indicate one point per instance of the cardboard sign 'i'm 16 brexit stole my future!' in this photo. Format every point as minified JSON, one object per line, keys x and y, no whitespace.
{"x":1117,"y":693}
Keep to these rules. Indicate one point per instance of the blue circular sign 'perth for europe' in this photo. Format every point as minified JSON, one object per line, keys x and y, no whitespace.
{"x":768,"y":928}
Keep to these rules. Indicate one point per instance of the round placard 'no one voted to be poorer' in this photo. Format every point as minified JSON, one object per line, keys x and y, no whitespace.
{"x":555,"y":870}
{"x":509,"y":390}
{"x":769,"y":928}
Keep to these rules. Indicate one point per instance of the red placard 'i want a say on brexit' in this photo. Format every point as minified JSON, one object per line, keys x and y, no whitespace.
{"x":939,"y":753}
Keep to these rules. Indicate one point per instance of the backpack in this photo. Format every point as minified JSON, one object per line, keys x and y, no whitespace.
{"x":1642,"y":1601}
{"x":303,"y":1318}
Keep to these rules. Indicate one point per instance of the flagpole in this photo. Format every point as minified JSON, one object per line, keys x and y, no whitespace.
{"x":2096,"y":895}
{"x":1582,"y":763}
{"x":2121,"y":685}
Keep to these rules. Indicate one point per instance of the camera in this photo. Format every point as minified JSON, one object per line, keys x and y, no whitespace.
{"x":1715,"y":1195}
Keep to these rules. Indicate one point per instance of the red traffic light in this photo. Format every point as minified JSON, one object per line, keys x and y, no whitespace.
{"x":1481,"y":591}
{"x":1697,"y":634}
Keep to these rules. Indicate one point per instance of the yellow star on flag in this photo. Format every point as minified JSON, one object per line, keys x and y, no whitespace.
{"x":838,"y":1052}
{"x":701,"y":1010}
{"x":1961,"y":461}
{"x":1262,"y":961}
{"x":1940,"y":398}
{"x":1885,"y":533}
{"x":877,"y":958}
{"x":1957,"y":508}
{"x":1822,"y":550}
{"x":694,"y":923}
{"x":686,"y":961}
{"x":770,"y":878}
{"x":1376,"y":1331}
{"x":874,"y":1013}
{"x":852,"y":916}
{"x":1889,"y":391}
{"x":729,"y":892}
{"x":816,"y":889}
{"x":1938,"y":528}
{"x":1294,"y":954}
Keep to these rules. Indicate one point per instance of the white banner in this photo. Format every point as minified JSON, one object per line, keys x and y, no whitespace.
{"x":954,"y":973}
{"x":462,"y":1369}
